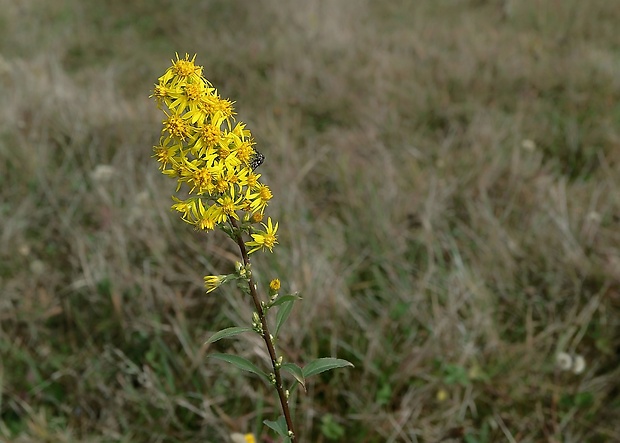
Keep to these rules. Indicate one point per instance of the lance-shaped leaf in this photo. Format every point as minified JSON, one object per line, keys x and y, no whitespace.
{"x":324,"y":364}
{"x":296,"y":372}
{"x":227,"y":333}
{"x":280,"y":427}
{"x":241,"y":363}
{"x":282,"y":315}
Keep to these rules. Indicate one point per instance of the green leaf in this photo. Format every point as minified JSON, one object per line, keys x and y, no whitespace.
{"x":228,"y":332}
{"x":282,"y":315}
{"x":279,"y":426}
{"x":241,"y":363}
{"x":324,"y":364}
{"x":384,"y":394}
{"x":455,"y":374}
{"x":330,"y":428}
{"x":285,"y":298}
{"x":584,"y":399}
{"x":296,"y":372}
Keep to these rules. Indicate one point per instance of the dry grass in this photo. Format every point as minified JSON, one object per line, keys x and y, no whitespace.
{"x":436,"y":247}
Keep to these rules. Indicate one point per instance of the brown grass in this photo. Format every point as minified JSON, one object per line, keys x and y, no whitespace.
{"x":446,"y":179}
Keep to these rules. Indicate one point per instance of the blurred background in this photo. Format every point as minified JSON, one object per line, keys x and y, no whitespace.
{"x":445,"y":175}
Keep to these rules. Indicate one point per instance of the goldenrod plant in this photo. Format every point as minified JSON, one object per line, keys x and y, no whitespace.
{"x":214,"y":162}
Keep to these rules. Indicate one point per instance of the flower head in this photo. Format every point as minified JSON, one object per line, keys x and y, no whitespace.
{"x":212,"y":282}
{"x":563,"y":361}
{"x":579,"y":364}
{"x":266,"y":239}
{"x":274,"y":288}
{"x":274,"y":285}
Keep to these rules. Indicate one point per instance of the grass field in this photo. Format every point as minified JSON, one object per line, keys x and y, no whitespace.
{"x":446,"y":176}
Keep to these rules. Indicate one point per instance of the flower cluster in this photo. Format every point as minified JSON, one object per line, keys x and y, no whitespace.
{"x":567,"y":362}
{"x":211,"y":158}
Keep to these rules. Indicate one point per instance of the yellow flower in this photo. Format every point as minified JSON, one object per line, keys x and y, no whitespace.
{"x":274,"y":285}
{"x":165,"y":153}
{"x":252,"y":181}
{"x":161,"y":94}
{"x":207,"y":222}
{"x":206,"y":218}
{"x":264,"y":239}
{"x":222,"y":108}
{"x":236,"y":177}
{"x":212,"y":282}
{"x":442,"y":395}
{"x":184,"y":207}
{"x":182,"y":70}
{"x":209,"y":154}
{"x":176,"y":126}
{"x":230,"y":205}
{"x":188,"y":96}
{"x":260,"y":198}
{"x":242,"y":438}
{"x":209,"y":136}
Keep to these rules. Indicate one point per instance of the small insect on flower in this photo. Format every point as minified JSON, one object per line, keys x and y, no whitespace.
{"x":256,"y":160}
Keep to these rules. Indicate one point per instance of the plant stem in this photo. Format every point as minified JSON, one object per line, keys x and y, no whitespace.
{"x":266,"y":335}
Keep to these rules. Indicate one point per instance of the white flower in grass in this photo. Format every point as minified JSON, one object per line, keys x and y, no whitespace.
{"x":528,"y":145}
{"x":579,"y":364}
{"x":563,"y":361}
